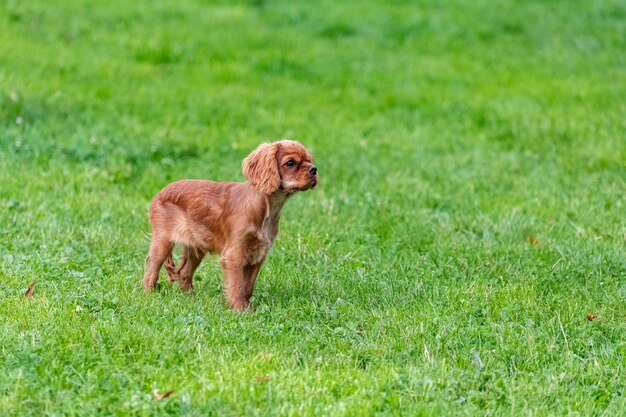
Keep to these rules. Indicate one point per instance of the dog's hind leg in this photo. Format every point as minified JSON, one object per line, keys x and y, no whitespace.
{"x":173,"y":271}
{"x":189,"y":263}
{"x":160,"y":250}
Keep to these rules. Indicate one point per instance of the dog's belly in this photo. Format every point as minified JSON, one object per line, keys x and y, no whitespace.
{"x":186,"y":231}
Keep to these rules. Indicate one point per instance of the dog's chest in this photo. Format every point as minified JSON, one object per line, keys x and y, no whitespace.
{"x":262,"y":240}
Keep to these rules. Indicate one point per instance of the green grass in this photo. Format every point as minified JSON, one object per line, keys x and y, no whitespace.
{"x":471,"y":210}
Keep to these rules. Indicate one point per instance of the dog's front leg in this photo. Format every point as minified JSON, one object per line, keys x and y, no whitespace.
{"x":250,"y":274}
{"x":235,"y":282}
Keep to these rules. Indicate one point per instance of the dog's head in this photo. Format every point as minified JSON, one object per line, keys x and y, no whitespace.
{"x":284,"y":165}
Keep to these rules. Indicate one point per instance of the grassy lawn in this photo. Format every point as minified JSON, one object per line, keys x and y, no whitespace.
{"x":470,"y":214}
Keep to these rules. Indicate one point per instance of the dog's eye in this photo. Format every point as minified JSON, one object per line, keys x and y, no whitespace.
{"x":291,"y":163}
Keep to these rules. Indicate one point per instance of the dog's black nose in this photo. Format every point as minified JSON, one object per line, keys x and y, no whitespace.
{"x":313,"y":170}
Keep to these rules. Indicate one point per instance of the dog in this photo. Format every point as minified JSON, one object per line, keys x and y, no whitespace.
{"x":238,"y":221}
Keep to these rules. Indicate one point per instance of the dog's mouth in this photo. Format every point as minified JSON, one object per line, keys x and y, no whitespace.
{"x":310,"y":185}
{"x":291,"y":187}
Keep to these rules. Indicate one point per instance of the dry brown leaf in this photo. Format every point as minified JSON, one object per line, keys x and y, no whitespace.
{"x":160,"y":397}
{"x":592,"y":317}
{"x":533,"y":240}
{"x":261,"y":379}
{"x":31,"y":290}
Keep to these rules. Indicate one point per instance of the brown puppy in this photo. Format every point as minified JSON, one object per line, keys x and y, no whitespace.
{"x":239,"y":221}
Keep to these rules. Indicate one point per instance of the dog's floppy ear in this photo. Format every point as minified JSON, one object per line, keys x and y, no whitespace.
{"x":261,"y":168}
